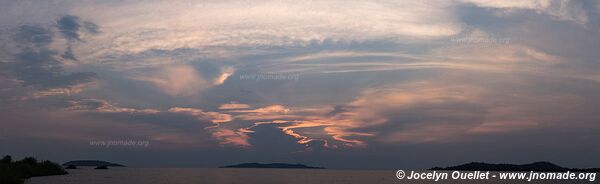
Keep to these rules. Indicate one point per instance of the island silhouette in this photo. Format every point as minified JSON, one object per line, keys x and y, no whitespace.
{"x":535,"y":166}
{"x":272,"y":166}
{"x":101,"y":167}
{"x":91,"y":163}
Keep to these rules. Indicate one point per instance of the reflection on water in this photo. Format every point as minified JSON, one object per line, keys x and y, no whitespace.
{"x":239,"y":176}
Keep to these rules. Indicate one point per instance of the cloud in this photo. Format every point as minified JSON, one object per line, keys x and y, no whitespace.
{"x":306,"y":125}
{"x":214,"y":117}
{"x":268,"y":112}
{"x":428,"y":112}
{"x":234,"y":105}
{"x":34,"y":34}
{"x":288,"y":128}
{"x":271,"y":109}
{"x":73,"y":28}
{"x":96,"y":105}
{"x":179,"y":78}
{"x":175,"y":80}
{"x":388,"y":76}
{"x":223,"y":76}
{"x":482,"y":48}
{"x":60,"y":91}
{"x":69,"y":54}
{"x":303,"y":124}
{"x":414,"y":112}
{"x":41,"y":68}
{"x":289,"y":23}
{"x":567,"y":10}
{"x":504,"y":126}
{"x":35,"y":62}
{"x":226,"y":136}
{"x":271,"y":137}
{"x":411,"y":113}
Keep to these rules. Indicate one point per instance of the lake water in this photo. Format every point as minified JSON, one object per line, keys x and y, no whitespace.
{"x":240,"y":176}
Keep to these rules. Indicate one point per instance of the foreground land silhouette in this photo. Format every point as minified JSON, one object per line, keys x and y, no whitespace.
{"x":15,"y":172}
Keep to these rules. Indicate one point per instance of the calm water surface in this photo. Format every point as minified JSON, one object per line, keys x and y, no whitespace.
{"x":239,"y":176}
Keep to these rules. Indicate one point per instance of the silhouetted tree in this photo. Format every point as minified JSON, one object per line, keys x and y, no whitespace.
{"x":6,"y":159}
{"x":29,"y":160}
{"x":14,"y":172}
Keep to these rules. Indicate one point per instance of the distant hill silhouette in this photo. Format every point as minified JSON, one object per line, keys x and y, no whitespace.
{"x":92,"y":163}
{"x":536,"y":166}
{"x":272,"y":165}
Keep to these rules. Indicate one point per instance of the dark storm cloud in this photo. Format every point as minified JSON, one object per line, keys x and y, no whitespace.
{"x":33,"y":34}
{"x":91,"y":27}
{"x":316,"y":145}
{"x":41,"y":68}
{"x":36,"y":65}
{"x":269,"y":137}
{"x":71,"y":27}
{"x":69,"y":54}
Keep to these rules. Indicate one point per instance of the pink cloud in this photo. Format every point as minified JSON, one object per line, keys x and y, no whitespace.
{"x":176,"y":80}
{"x":214,"y":117}
{"x":97,"y":105}
{"x":234,"y":105}
{"x":226,"y":136}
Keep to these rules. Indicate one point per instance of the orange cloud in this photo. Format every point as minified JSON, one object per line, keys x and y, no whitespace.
{"x":227,"y":72}
{"x":214,"y":117}
{"x":431,"y":112}
{"x":96,"y":105}
{"x":271,"y":109}
{"x":61,"y":91}
{"x":226,"y":136}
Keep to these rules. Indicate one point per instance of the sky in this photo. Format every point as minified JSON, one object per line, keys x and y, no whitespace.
{"x":374,"y":84}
